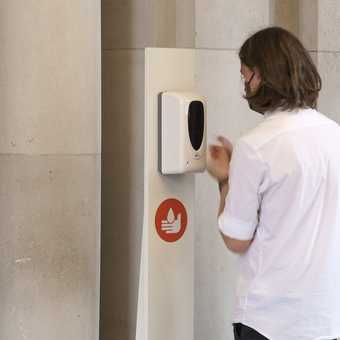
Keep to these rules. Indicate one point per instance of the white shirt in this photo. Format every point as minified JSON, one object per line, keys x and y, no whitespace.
{"x":284,"y":190}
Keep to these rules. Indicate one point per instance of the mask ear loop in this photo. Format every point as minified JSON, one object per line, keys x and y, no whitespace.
{"x":247,"y":84}
{"x":262,"y":83}
{"x":251,"y":78}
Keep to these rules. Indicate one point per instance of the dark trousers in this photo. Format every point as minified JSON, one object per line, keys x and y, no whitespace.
{"x":243,"y":332}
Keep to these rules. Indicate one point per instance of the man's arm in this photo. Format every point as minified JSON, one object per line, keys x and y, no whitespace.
{"x":234,"y":245}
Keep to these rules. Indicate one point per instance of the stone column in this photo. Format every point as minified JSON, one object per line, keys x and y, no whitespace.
{"x":319,"y":30}
{"x":129,"y":27}
{"x":49,"y":169}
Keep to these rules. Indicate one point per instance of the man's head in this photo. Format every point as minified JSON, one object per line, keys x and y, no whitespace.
{"x":278,"y":72}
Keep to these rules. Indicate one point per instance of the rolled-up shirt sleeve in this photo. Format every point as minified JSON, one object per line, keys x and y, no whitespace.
{"x":239,"y":218}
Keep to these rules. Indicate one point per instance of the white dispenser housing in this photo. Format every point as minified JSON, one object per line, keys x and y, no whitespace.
{"x":182,"y":127}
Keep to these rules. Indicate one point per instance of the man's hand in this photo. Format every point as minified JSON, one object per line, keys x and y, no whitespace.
{"x":227,"y":144}
{"x":219,"y":158}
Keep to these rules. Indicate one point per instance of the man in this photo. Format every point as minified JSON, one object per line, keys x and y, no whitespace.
{"x":280,"y":198}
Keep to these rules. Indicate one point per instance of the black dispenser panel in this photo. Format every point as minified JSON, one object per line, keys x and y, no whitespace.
{"x":196,"y":123}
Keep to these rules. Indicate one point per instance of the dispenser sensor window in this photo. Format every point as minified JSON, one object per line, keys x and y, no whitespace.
{"x":196,"y":123}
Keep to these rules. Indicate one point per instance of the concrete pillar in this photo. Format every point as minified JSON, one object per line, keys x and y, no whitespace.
{"x":319,"y":28}
{"x":286,"y":14}
{"x":129,"y":27}
{"x":49,"y":169}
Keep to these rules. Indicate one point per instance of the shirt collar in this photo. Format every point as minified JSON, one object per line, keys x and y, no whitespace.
{"x":281,"y":113}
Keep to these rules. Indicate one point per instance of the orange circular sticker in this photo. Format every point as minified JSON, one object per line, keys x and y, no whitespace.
{"x":171,"y":220}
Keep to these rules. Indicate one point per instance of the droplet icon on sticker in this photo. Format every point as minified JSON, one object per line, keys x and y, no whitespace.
{"x":171,"y":216}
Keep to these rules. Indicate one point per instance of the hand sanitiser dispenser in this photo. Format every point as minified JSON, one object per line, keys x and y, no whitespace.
{"x":182,"y":128}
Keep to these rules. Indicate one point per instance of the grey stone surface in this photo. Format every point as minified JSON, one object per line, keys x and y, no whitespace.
{"x":286,"y":14}
{"x":329,"y":25}
{"x":329,"y":100}
{"x":50,"y":104}
{"x":226,"y":24}
{"x":50,"y":77}
{"x":147,"y":23}
{"x":49,"y":247}
{"x":320,"y":24}
{"x":123,"y":103}
{"x":122,"y":191}
{"x":309,"y":23}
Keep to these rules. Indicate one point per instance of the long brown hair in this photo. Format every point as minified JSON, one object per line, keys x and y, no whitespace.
{"x":290,"y":79}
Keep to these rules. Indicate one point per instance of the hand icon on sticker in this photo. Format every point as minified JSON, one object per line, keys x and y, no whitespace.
{"x":171,"y":220}
{"x":171,"y":225}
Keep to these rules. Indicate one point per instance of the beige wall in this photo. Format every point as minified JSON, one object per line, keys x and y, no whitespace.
{"x":49,"y":169}
{"x":320,"y":24}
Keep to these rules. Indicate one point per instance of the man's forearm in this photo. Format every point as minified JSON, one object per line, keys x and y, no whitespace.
{"x":224,"y":188}
{"x":235,"y":245}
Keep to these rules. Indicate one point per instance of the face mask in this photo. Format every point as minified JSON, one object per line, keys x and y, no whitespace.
{"x":247,"y":88}
{"x":248,"y":92}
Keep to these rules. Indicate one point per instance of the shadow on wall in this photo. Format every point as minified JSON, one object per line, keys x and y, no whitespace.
{"x":122,"y":179}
